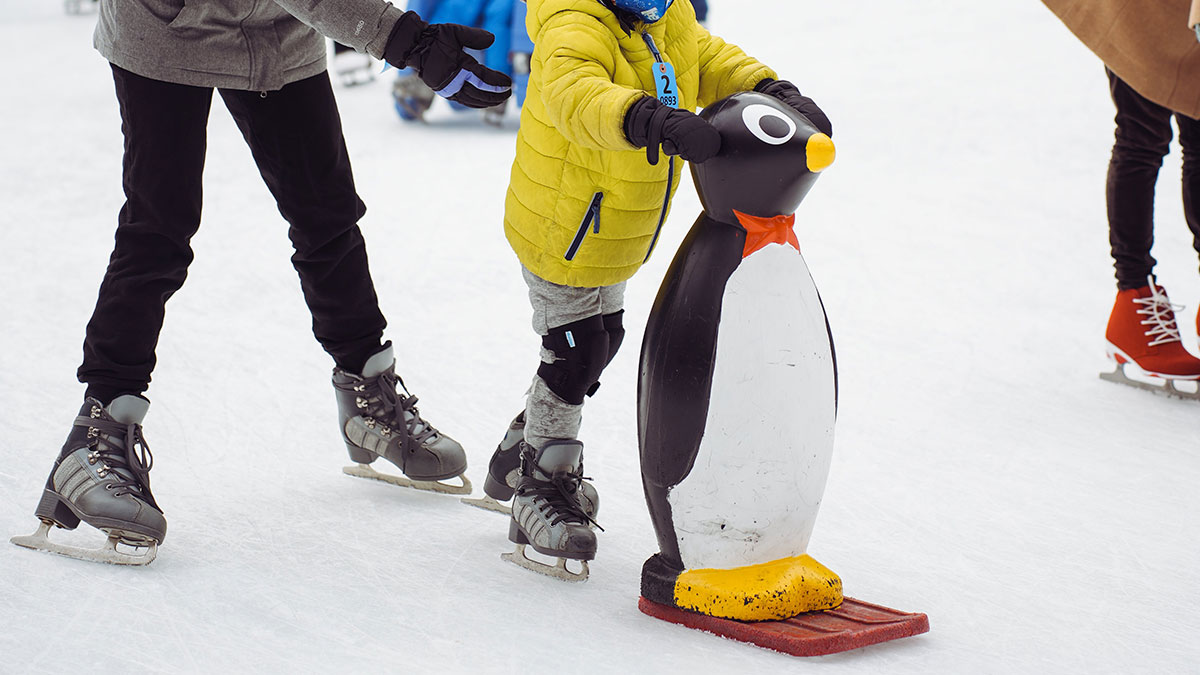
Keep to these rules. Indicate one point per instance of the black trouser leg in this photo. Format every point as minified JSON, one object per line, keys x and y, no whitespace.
{"x":295,"y":135}
{"x":1143,"y":138}
{"x":1189,"y":138}
{"x":164,"y":127}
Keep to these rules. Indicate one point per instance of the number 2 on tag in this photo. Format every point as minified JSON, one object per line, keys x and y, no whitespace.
{"x":664,"y":81}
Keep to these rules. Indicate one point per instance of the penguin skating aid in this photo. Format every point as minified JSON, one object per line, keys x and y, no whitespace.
{"x":737,"y":398}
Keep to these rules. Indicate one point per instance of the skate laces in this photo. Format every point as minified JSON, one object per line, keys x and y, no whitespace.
{"x":557,"y":498}
{"x":131,"y":463}
{"x":385,"y":403}
{"x":1160,"y":316}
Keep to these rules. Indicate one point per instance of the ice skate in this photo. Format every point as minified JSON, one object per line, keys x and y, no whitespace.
{"x":377,"y":421}
{"x":102,"y":477}
{"x":504,"y":470}
{"x":494,"y":116}
{"x":1145,"y":344}
{"x":412,"y":97}
{"x":353,"y":68}
{"x":79,"y":6}
{"x":546,"y":513}
{"x":520,"y":64}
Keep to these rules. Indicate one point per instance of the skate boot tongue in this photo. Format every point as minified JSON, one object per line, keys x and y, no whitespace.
{"x":128,"y":409}
{"x":558,"y":457}
{"x":379,"y":363}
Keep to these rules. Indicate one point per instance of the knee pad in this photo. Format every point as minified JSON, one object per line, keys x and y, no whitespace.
{"x":616,"y":333}
{"x":581,"y":351}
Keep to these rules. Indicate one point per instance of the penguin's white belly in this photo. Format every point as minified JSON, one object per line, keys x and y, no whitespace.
{"x":754,"y":491}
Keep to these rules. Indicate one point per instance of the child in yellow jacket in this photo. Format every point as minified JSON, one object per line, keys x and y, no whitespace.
{"x":612,"y":81}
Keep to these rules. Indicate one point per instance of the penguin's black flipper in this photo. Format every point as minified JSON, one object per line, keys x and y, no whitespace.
{"x":677,"y":359}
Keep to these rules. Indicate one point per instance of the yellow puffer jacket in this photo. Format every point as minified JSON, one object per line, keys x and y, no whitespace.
{"x":572,"y":154}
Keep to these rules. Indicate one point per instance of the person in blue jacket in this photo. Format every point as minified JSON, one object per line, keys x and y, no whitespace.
{"x":520,"y":52}
{"x":499,"y":17}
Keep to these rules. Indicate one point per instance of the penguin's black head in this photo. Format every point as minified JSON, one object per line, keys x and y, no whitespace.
{"x":770,"y":157}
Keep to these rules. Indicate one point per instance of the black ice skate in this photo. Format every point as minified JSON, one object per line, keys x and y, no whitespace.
{"x":102,"y":477}
{"x":546,"y":513}
{"x":504,"y":470}
{"x":377,"y":421}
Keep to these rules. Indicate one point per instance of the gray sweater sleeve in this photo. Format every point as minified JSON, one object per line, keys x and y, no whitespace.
{"x":362,"y":24}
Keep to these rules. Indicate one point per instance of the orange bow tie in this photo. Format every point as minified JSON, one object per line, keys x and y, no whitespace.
{"x":763,"y":231}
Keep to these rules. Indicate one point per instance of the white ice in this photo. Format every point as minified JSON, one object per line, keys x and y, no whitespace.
{"x":983,"y":473}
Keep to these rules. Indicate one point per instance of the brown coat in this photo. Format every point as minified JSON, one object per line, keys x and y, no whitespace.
{"x":1148,"y":43}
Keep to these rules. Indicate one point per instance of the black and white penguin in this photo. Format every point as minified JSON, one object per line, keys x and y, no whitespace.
{"x":737,"y":393}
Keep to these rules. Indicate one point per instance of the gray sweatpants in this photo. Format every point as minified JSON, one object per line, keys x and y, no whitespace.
{"x":548,"y":417}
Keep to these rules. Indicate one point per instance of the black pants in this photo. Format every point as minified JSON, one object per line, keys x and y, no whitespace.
{"x":295,"y":136}
{"x":1143,"y":138}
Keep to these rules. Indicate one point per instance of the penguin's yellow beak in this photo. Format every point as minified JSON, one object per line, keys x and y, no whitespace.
{"x":820,"y":152}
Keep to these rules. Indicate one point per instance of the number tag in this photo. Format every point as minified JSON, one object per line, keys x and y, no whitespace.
{"x":664,"y":81}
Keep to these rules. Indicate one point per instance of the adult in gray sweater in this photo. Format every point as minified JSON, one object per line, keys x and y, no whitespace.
{"x":267,"y":60}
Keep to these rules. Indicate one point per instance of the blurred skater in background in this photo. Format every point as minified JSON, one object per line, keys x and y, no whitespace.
{"x":79,"y":6}
{"x":505,"y":19}
{"x":352,"y":67}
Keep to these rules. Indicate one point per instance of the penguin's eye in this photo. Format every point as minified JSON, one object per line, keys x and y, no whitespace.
{"x":768,"y":124}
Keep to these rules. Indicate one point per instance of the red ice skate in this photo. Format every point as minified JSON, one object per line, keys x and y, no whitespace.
{"x":1142,"y":334}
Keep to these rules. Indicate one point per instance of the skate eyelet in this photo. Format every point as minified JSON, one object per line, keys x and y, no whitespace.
{"x":360,"y":402}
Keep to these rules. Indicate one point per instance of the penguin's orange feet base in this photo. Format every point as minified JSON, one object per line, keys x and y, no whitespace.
{"x":852,"y":625}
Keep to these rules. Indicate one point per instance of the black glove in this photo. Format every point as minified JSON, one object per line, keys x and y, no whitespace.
{"x":788,"y":93}
{"x":436,"y":52}
{"x":681,"y":132}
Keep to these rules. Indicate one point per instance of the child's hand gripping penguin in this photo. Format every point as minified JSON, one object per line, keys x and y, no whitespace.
{"x":737,"y":399}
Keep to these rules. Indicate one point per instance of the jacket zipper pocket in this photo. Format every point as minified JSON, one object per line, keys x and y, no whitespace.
{"x":590,"y":219}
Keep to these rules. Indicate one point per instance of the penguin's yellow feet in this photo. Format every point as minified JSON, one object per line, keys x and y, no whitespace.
{"x":771,"y":591}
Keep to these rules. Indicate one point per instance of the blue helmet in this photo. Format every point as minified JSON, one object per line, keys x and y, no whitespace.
{"x":649,"y":10}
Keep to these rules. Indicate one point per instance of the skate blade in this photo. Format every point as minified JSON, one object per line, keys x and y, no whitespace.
{"x":1167,"y":388}
{"x":352,"y":79}
{"x":558,"y":571}
{"x":488,"y":504}
{"x":365,"y":471}
{"x":109,"y":553}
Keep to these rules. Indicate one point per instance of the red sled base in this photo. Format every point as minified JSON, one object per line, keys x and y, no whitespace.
{"x":852,"y":625}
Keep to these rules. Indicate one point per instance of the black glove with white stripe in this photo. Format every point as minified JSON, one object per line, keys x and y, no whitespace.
{"x":437,"y":53}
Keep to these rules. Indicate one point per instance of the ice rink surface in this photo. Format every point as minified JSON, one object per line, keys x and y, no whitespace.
{"x":1044,"y":519}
